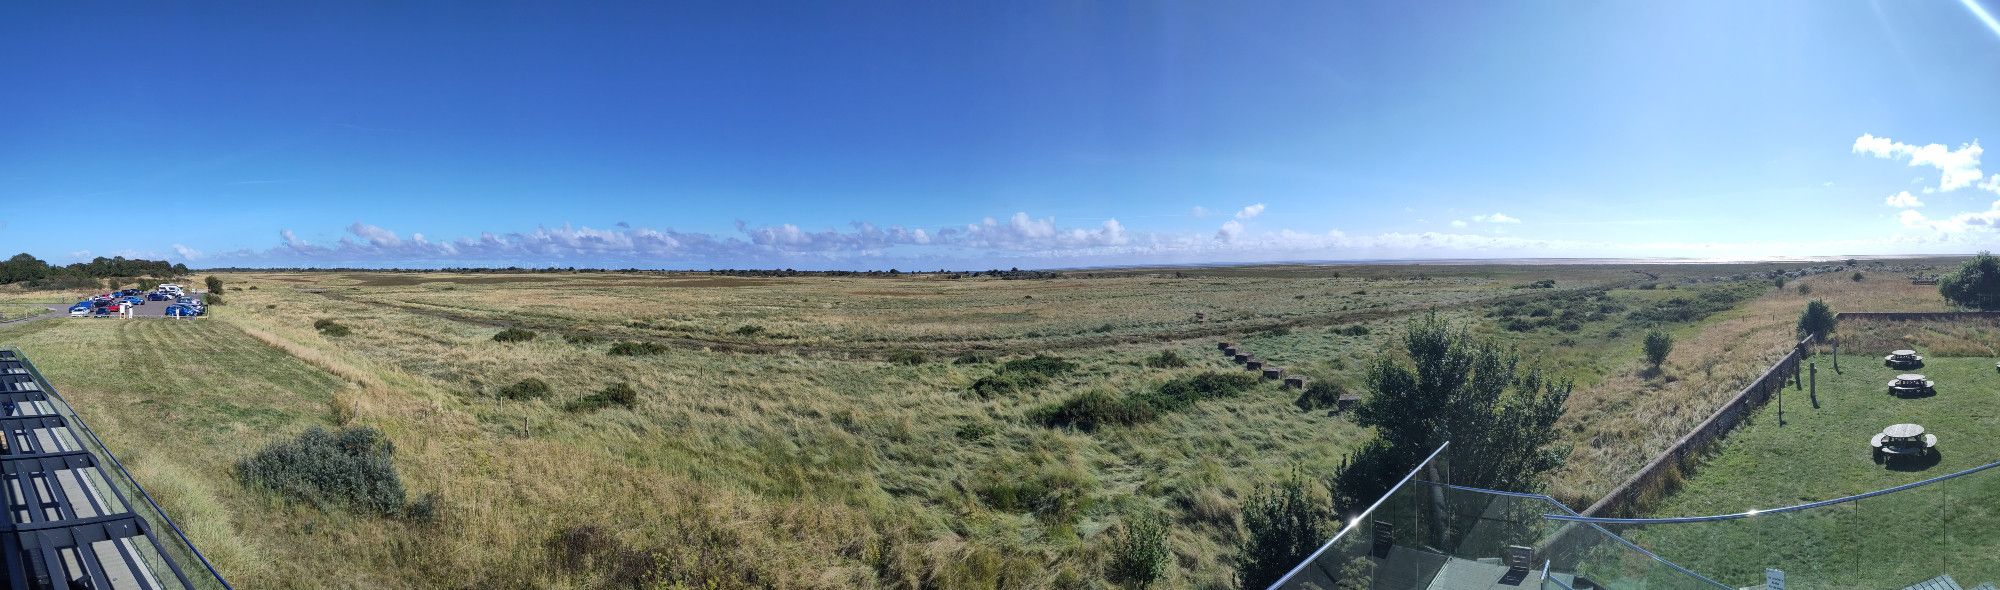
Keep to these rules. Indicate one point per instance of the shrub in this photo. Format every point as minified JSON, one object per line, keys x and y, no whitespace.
{"x":749,"y":330}
{"x":514,"y":335}
{"x":1805,"y":289}
{"x":582,"y":338}
{"x":1006,"y":382}
{"x":637,"y":349}
{"x":425,"y":510}
{"x":1569,"y":326}
{"x":1976,"y":284}
{"x":1167,"y":359}
{"x":1858,"y":277}
{"x":616,"y":394}
{"x":972,"y":358}
{"x":1139,"y":551}
{"x":1817,"y":320}
{"x":1278,"y":331}
{"x":1778,"y":282}
{"x":1284,"y":523}
{"x":1360,"y":330}
{"x":212,"y":299}
{"x":907,"y":357}
{"x":1320,"y":394}
{"x":331,"y":328}
{"x":1044,"y":365}
{"x":214,"y":284}
{"x":1658,"y":345}
{"x":530,"y":388}
{"x":348,"y":469}
{"x":1094,"y":409}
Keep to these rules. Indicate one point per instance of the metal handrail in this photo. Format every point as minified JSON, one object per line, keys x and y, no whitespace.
{"x":1792,"y":508}
{"x":1356,"y":521}
{"x":1606,"y":532}
{"x":77,"y":420}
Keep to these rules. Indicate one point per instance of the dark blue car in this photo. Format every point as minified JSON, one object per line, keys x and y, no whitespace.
{"x":180,"y":311}
{"x":158,"y":296}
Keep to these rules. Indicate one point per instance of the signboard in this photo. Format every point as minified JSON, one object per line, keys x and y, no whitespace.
{"x":1774,"y":579}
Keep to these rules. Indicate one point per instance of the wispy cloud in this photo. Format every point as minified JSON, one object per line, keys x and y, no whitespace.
{"x":1496,"y":218}
{"x":1957,"y":168}
{"x":1250,"y":212}
{"x":1903,"y":200}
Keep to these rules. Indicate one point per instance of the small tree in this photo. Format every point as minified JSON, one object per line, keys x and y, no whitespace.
{"x":1805,"y":289}
{"x":1975,"y":285}
{"x":1779,"y":282}
{"x":215,"y":291}
{"x":1285,"y":523}
{"x":1658,"y":346}
{"x":1817,"y":320}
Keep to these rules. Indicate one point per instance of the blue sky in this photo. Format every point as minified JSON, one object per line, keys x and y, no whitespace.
{"x":941,"y":134}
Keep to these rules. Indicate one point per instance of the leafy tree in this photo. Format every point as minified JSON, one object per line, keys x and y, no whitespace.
{"x":23,"y":267}
{"x":1285,"y":523}
{"x":1658,"y":346}
{"x":1499,"y":417}
{"x":1817,"y":320}
{"x":1975,"y":285}
{"x":214,"y":284}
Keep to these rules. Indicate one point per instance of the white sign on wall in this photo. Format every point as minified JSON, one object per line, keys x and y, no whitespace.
{"x":1774,"y":579}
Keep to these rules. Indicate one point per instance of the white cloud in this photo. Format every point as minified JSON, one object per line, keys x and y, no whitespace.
{"x":380,"y":237}
{"x":186,"y":252}
{"x":1230,"y":229}
{"x":1200,"y":212}
{"x":1250,"y":212}
{"x":1956,"y":224}
{"x":1496,"y":218}
{"x":1957,"y":168}
{"x":1458,"y":223}
{"x":1903,"y":200}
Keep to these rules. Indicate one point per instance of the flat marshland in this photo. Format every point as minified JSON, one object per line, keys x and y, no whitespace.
{"x":851,"y":432}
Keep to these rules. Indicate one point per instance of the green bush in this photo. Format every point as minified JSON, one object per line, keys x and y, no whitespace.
{"x":348,"y":469}
{"x":425,"y":510}
{"x":1167,"y":359}
{"x":514,"y":335}
{"x":1658,"y":345}
{"x":1858,"y":277}
{"x":749,"y":330}
{"x":972,"y":358}
{"x":907,"y":357}
{"x":1139,"y":551}
{"x":331,"y":328}
{"x":1976,"y":284}
{"x":1005,"y":382}
{"x":1094,"y":409}
{"x":530,"y":388}
{"x":582,"y":338}
{"x":1320,"y":394}
{"x":1284,"y":523}
{"x":637,"y":349}
{"x":616,"y":394}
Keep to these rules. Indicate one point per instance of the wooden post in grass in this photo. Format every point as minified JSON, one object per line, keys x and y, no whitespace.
{"x":1812,"y":373}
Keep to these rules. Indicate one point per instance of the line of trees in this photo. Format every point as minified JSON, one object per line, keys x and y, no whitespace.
{"x":34,"y":272}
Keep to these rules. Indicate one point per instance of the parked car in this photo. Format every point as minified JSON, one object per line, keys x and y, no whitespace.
{"x":133,"y":300}
{"x":181,"y":311}
{"x":100,"y":311}
{"x":158,"y":296}
{"x":80,"y":310}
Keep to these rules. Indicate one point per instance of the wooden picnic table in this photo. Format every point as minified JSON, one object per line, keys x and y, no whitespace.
{"x":1904,"y":439}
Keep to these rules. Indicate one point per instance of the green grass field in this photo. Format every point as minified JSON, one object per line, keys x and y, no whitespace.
{"x":1822,"y":452}
{"x":839,"y":443}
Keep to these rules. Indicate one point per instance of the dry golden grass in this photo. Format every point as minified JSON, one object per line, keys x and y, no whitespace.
{"x":789,"y":457}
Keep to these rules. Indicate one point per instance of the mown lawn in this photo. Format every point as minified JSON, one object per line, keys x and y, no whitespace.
{"x":1821,"y":451}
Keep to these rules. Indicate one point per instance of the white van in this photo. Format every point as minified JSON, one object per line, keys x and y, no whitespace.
{"x":170,"y":289}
